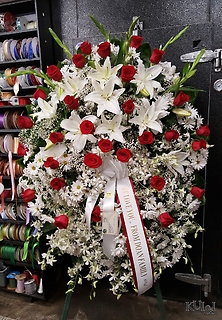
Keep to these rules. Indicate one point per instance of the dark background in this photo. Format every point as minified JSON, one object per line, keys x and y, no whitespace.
{"x":161,"y":20}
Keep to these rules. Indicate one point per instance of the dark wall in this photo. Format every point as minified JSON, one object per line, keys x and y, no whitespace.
{"x":162,"y":19}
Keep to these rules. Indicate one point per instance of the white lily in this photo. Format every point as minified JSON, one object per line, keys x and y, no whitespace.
{"x":73,"y":126}
{"x":47,"y":110}
{"x":144,"y":78}
{"x":71,"y":85}
{"x":105,"y":96}
{"x":105,"y":72}
{"x":148,"y":117}
{"x":56,"y":151}
{"x":175,"y":162}
{"x":112,"y":127}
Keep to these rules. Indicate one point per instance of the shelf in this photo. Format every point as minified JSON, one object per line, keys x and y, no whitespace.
{"x":10,"y":130}
{"x":17,"y":34}
{"x":19,"y":63}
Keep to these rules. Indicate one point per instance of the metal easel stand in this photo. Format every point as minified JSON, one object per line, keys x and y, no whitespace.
{"x":158,"y":296}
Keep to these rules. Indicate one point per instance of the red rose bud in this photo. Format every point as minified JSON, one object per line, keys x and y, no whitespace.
{"x":123,"y":154}
{"x":39,"y":93}
{"x":72,"y":103}
{"x":21,"y":151}
{"x":197,"y":192}
{"x":146,"y":138}
{"x":54,"y":73}
{"x":24,"y":122}
{"x":165,"y":220}
{"x":57,"y":183}
{"x":79,"y":60}
{"x":171,"y":135}
{"x":55,"y":137}
{"x":157,"y":182}
{"x":127,"y":73}
{"x":28,"y":195}
{"x":200,"y":144}
{"x":61,"y":221}
{"x":128,"y":106}
{"x":105,"y":145}
{"x":95,"y":216}
{"x":51,"y":163}
{"x":87,"y":127}
{"x":180,"y":99}
{"x":85,"y":47}
{"x":203,"y":131}
{"x":92,"y":160}
{"x":136,"y":41}
{"x":156,"y":55}
{"x":104,"y":49}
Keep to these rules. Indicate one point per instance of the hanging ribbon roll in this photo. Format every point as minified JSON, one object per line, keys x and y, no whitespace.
{"x":119,"y":185}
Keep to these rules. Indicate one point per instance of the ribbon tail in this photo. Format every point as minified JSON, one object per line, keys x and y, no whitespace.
{"x":136,"y":238}
{"x":12,"y":174}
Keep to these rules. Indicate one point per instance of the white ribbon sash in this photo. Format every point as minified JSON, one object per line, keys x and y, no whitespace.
{"x":137,"y":241}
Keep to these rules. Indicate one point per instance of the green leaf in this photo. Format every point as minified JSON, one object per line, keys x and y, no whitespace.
{"x":61,"y":44}
{"x":100,"y":27}
{"x":175,"y":38}
{"x":145,"y":53}
{"x":48,"y":227}
{"x":185,"y":69}
{"x":20,"y":162}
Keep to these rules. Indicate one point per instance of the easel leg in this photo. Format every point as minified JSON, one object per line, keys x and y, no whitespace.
{"x":160,"y":300}
{"x":66,"y":306}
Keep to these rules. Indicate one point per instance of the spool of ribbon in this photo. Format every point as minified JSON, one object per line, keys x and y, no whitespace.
{"x":20,"y":283}
{"x":11,"y":280}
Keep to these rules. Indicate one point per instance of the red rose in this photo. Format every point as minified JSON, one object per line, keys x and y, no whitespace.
{"x":79,"y":60}
{"x":39,"y":93}
{"x":28,"y":195}
{"x":61,"y":221}
{"x":92,"y":160}
{"x":197,"y":192}
{"x":104,"y":49}
{"x":87,"y":127}
{"x":85,"y":47}
{"x":203,"y":131}
{"x":72,"y":103}
{"x":128,"y":106}
{"x":157,"y":182}
{"x":171,"y":135}
{"x":156,"y":55}
{"x":55,"y":137}
{"x":58,"y":183}
{"x":146,"y":138}
{"x":199,"y":144}
{"x":51,"y":163}
{"x":96,"y":214}
{"x":180,"y":99}
{"x":24,"y":122}
{"x":127,"y":73}
{"x":105,"y":145}
{"x":21,"y":151}
{"x":136,"y":41}
{"x":123,"y":154}
{"x":54,"y":72}
{"x":165,"y":219}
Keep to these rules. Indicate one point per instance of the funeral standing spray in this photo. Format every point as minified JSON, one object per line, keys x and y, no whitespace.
{"x":110,"y":155}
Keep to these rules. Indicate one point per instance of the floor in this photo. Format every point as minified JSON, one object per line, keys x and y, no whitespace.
{"x":104,"y":306}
